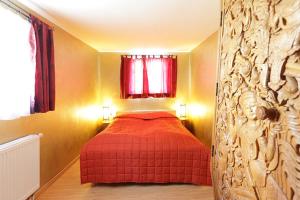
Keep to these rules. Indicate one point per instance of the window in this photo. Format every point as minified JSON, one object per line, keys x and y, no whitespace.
{"x":148,"y":76}
{"x":17,"y":65}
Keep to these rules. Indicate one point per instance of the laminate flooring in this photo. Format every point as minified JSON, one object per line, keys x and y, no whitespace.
{"x":68,"y":187}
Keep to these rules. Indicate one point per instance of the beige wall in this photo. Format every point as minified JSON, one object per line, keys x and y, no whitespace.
{"x":110,"y":84}
{"x":64,"y":131}
{"x":203,"y":81}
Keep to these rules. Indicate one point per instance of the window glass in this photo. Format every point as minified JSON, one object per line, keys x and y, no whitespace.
{"x":17,"y":65}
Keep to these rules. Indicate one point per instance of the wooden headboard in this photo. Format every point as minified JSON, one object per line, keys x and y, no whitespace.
{"x":139,"y":111}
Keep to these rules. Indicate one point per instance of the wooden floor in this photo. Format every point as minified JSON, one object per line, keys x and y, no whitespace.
{"x":68,"y":187}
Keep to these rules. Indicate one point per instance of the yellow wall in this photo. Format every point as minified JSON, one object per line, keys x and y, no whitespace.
{"x":64,"y":132}
{"x":110,"y":84}
{"x":203,"y":83}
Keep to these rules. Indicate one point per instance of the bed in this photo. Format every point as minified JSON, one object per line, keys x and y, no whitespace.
{"x":145,"y":148}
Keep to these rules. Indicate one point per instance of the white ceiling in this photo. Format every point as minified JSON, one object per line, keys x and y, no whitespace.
{"x":133,"y":25}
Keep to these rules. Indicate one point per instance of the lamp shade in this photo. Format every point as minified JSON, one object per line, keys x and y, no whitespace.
{"x":182,"y":111}
{"x":106,"y":113}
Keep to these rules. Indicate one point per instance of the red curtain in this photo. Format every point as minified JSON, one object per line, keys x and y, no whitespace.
{"x":45,"y":69}
{"x":125,"y":72}
{"x":148,"y":76}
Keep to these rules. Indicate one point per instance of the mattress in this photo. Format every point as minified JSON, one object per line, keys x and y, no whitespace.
{"x":145,"y":148}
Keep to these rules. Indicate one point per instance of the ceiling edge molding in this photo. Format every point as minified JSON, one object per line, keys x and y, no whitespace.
{"x":32,"y":7}
{"x":40,"y":11}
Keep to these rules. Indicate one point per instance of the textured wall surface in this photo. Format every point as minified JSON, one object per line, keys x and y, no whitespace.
{"x":64,"y":131}
{"x":110,"y":84}
{"x":257,"y":137}
{"x":203,"y":86}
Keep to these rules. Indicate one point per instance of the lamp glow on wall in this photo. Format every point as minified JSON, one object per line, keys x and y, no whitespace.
{"x":90,"y":112}
{"x":198,"y":110}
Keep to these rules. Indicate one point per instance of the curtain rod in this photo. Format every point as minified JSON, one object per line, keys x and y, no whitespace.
{"x":20,"y":11}
{"x":16,"y":9}
{"x":150,"y":55}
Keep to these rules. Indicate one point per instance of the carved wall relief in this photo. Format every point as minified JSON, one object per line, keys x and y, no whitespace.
{"x":257,"y":135}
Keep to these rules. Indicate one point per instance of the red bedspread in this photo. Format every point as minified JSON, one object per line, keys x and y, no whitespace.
{"x":151,"y":148}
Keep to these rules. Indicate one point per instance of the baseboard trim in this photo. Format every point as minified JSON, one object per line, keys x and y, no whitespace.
{"x":49,"y":183}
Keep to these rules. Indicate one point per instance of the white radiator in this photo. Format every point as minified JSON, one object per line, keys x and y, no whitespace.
{"x":20,"y":168}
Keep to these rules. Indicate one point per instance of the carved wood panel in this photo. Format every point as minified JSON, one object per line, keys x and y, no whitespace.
{"x":257,"y":137}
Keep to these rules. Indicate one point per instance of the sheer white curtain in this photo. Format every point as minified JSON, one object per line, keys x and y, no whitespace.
{"x":136,"y":81}
{"x":17,"y":65}
{"x":157,"y":75}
